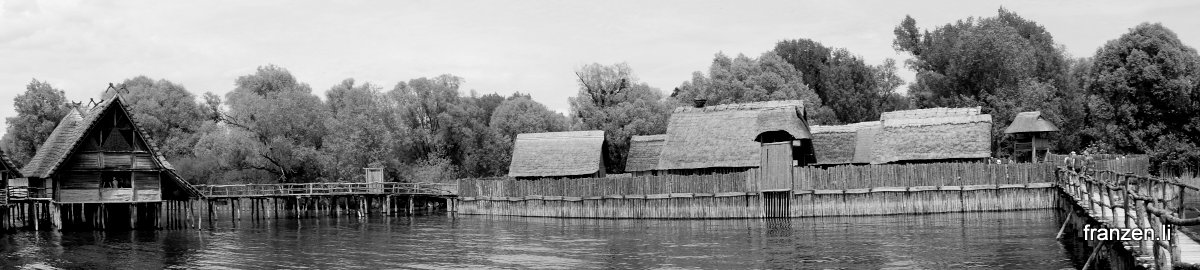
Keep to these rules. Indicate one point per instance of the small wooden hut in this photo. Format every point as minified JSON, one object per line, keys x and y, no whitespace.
{"x":736,"y":137}
{"x":643,"y":154}
{"x":571,"y":154}
{"x":100,"y":155}
{"x":1030,"y":131}
{"x":935,"y":134}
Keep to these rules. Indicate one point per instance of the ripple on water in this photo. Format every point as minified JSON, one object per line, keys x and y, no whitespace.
{"x":1021,"y":240}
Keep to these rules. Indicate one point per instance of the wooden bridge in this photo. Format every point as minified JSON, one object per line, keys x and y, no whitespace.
{"x":326,"y":189}
{"x":1110,"y":199}
{"x":270,"y":201}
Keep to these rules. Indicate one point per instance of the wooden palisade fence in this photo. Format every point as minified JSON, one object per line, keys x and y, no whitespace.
{"x":834,"y":191}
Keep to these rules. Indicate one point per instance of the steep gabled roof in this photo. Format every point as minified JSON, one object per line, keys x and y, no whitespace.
{"x":644,"y":152}
{"x":67,"y":136}
{"x":724,"y":136}
{"x":8,"y":165}
{"x":1030,"y":122}
{"x":557,"y":154}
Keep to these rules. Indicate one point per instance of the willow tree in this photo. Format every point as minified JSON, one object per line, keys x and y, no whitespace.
{"x":611,"y":98}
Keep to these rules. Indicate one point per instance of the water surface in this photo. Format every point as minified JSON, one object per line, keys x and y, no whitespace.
{"x":1006,"y":240}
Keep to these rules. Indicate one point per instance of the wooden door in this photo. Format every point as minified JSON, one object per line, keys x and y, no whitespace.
{"x":776,"y":168}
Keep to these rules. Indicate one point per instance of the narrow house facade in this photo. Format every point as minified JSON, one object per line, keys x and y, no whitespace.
{"x":10,"y":176}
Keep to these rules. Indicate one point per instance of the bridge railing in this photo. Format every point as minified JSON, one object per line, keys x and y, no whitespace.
{"x":1125,"y":200}
{"x":302,"y":189}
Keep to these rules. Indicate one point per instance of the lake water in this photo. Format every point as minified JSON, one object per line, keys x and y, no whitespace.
{"x":1004,"y":240}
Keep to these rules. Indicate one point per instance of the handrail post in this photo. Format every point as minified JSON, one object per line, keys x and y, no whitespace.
{"x":1125,"y":201}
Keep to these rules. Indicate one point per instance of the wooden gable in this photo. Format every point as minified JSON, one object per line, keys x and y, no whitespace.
{"x":112,"y":143}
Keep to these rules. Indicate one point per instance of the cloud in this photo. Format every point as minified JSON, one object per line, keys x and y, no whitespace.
{"x":497,"y":46}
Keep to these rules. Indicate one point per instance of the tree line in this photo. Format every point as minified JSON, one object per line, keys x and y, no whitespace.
{"x":1139,"y":93}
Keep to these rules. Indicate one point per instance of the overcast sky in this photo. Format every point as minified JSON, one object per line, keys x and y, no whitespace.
{"x":497,"y":46}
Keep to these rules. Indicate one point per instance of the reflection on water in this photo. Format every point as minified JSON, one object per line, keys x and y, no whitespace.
{"x":1014,"y":240}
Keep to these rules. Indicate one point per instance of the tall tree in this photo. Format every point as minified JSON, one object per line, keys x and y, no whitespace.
{"x":447,"y":130}
{"x":610,"y":98}
{"x":985,"y":62}
{"x":166,"y":111}
{"x":39,"y":109}
{"x":745,"y":79}
{"x":279,"y":114}
{"x":1145,"y":95}
{"x":363,"y":137}
{"x":523,"y":115}
{"x":854,"y":90}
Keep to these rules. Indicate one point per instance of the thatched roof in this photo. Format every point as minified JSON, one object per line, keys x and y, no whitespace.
{"x":930,"y":113}
{"x":7,"y":165}
{"x":557,"y":154}
{"x":724,"y":135}
{"x":67,"y":136}
{"x":867,"y":141}
{"x":644,"y":152}
{"x":930,"y":138}
{"x":844,"y":143}
{"x":1030,"y":122}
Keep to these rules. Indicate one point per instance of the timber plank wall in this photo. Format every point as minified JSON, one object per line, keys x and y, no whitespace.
{"x":833,"y":191}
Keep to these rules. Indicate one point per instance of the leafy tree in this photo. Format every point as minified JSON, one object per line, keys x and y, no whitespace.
{"x":610,"y":98}
{"x":165,"y":110}
{"x":447,"y":130}
{"x":363,"y":137}
{"x":745,"y":79}
{"x":989,"y":62}
{"x":38,"y":111}
{"x":279,"y":114}
{"x":854,"y":90}
{"x":224,"y":155}
{"x":523,"y":115}
{"x":211,"y":108}
{"x":1145,"y":91}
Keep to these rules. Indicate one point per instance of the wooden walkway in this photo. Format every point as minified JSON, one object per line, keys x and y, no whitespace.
{"x":1189,"y":250}
{"x":1128,"y":201}
{"x":321,"y":189}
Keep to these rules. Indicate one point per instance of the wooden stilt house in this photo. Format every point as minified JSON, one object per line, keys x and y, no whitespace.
{"x":1030,"y":131}
{"x":100,"y":155}
{"x":570,"y":154}
{"x":10,"y":175}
